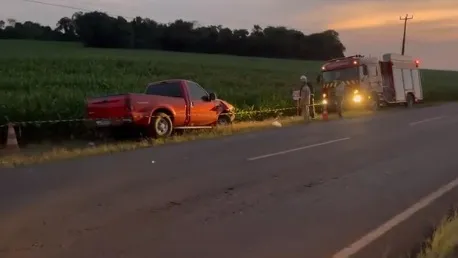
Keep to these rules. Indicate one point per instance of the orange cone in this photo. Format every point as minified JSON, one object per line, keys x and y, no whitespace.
{"x":11,"y":140}
{"x":324,"y":114}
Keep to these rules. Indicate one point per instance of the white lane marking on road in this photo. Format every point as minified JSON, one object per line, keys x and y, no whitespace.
{"x":378,"y":232}
{"x":297,"y":149}
{"x":426,"y":120}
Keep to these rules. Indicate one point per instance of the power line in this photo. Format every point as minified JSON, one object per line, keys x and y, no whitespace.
{"x":405,"y":19}
{"x":67,"y":7}
{"x":58,"y":5}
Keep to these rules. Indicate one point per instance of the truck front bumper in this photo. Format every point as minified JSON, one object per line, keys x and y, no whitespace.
{"x":354,"y":101}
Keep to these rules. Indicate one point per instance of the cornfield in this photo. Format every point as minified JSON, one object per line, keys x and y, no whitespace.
{"x":37,"y":86}
{"x":51,"y":80}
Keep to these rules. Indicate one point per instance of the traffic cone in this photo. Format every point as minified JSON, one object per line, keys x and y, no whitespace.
{"x":324,"y":114}
{"x":11,"y":140}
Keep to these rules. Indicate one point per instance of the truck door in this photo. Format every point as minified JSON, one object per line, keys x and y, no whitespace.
{"x":399,"y":84}
{"x":371,"y":76}
{"x":172,"y":90}
{"x":202,"y":110}
{"x":387,"y":81}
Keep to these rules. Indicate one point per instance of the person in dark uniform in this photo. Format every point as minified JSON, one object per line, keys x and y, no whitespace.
{"x":339,"y":97}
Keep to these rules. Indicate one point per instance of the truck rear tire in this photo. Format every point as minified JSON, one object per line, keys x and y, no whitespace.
{"x":161,"y":126}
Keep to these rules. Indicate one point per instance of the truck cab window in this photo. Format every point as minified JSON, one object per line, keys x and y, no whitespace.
{"x":196,"y":92}
{"x":351,"y":73}
{"x":373,"y":70}
{"x":168,"y":89}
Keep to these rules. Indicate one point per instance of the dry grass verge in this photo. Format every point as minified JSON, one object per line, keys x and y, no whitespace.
{"x":48,"y":152}
{"x":43,"y":153}
{"x":444,"y":242}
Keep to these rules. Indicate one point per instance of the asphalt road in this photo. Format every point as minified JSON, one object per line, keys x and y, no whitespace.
{"x":301,"y":191}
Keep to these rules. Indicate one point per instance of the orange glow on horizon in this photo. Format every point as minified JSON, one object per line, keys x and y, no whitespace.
{"x":379,"y":19}
{"x":355,"y":15}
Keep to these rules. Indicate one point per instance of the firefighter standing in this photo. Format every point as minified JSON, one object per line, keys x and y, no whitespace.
{"x":339,"y":96}
{"x":305,"y":99}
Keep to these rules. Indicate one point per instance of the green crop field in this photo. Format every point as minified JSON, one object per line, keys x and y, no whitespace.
{"x":50,"y":80}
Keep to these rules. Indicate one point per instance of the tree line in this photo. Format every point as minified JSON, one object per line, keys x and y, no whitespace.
{"x":98,"y":29}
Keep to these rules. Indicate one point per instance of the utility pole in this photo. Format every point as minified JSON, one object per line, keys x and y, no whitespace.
{"x":405,"y":19}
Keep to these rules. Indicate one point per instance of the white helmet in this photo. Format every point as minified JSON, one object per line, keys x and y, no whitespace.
{"x":303,"y":78}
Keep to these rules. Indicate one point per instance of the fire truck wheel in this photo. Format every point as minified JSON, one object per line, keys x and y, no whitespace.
{"x":410,"y":100}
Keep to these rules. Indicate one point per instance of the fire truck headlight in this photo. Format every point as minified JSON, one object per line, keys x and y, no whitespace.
{"x":357,"y":98}
{"x":325,"y":101}
{"x":324,"y":95}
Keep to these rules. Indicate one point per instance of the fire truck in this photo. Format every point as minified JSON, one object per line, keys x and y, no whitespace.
{"x":371,"y":83}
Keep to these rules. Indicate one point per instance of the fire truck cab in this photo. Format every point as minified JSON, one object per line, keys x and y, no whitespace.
{"x":372,"y":83}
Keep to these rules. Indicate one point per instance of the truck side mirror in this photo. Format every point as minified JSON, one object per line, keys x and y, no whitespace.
{"x":212,"y":96}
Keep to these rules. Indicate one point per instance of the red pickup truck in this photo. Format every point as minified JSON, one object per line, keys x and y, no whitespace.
{"x":165,"y":106}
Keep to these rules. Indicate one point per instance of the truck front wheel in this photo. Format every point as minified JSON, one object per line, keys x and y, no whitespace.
{"x":161,"y":126}
{"x":224,"y":120}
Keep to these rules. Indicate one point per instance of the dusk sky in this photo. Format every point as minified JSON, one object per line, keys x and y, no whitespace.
{"x":368,"y":27}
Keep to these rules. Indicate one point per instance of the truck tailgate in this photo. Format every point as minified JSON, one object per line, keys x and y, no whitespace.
{"x":109,"y":107}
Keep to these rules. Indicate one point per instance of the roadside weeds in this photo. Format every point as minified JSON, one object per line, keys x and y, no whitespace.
{"x":46,"y":153}
{"x":444,"y":241}
{"x":50,"y":153}
{"x":43,"y":154}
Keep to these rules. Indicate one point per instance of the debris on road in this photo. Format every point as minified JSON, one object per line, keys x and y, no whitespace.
{"x":276,"y":123}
